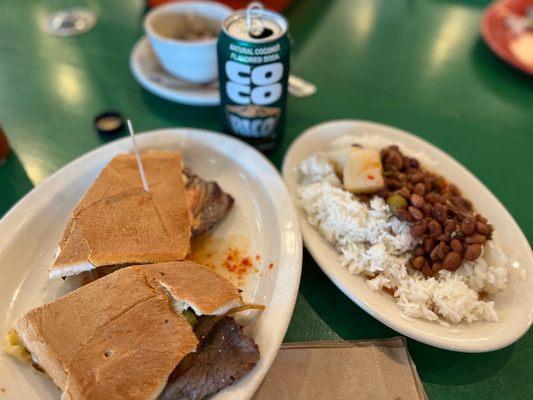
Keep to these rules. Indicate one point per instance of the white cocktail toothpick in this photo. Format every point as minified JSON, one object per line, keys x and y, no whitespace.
{"x":139,"y":162}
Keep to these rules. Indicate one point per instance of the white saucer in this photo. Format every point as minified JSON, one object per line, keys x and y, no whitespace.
{"x":148,"y":72}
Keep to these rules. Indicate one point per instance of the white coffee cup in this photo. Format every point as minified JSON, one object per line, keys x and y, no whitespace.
{"x":194,"y":61}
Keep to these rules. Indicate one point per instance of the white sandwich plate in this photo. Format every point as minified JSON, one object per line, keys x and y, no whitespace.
{"x":514,"y":305}
{"x":31,"y":230}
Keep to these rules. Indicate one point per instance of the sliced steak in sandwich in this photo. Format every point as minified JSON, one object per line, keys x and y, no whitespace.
{"x":207,"y":202}
{"x":224,"y":355}
{"x":121,"y":336}
{"x":117,"y":223}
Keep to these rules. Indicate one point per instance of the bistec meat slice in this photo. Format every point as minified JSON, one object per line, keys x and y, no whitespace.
{"x":207,"y":201}
{"x":224,"y":355}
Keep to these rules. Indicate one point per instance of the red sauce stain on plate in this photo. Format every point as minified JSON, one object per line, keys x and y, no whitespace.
{"x":230,"y":257}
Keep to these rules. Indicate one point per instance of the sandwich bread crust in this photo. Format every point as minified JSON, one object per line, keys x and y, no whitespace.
{"x":119,"y":337}
{"x":132,"y":356}
{"x":54,"y":333}
{"x":195,"y":286}
{"x":117,"y":222}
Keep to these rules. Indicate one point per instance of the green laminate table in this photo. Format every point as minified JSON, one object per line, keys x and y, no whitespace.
{"x":416,"y":64}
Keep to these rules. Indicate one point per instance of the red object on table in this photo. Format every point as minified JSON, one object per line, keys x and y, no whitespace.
{"x":4,"y":147}
{"x":517,"y":50}
{"x":278,"y":5}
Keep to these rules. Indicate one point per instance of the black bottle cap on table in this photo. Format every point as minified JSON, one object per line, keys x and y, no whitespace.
{"x":109,"y":123}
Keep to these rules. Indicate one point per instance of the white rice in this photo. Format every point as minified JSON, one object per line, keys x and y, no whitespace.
{"x":374,"y":243}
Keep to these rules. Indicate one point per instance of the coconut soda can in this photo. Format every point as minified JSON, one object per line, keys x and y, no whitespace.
{"x":253,"y":65}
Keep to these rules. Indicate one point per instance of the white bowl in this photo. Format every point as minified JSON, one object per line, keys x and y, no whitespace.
{"x":194,"y":61}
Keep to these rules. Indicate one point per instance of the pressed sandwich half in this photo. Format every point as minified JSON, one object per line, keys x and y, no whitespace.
{"x":124,"y":335}
{"x":118,"y":223}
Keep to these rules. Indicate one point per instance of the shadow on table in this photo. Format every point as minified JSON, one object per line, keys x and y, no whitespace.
{"x":337,"y":310}
{"x":14,"y":182}
{"x":180,"y":114}
{"x":351,"y":322}
{"x":501,"y":78}
{"x":466,"y":3}
{"x":106,"y":138}
{"x":453,"y":368}
{"x":303,"y":16}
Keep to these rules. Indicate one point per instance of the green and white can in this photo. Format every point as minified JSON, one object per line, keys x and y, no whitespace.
{"x":253,"y":65}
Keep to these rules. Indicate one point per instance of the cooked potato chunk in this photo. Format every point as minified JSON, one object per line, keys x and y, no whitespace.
{"x":363,"y":172}
{"x":338,"y":158}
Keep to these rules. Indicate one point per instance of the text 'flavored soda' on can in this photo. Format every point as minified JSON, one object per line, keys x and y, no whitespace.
{"x":253,"y":66}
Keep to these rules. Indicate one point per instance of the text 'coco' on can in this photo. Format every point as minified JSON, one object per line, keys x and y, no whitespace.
{"x":253,"y":64}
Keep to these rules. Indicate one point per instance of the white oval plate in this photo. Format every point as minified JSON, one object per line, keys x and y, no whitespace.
{"x":29,"y":234}
{"x":514,"y":305}
{"x":148,"y":72}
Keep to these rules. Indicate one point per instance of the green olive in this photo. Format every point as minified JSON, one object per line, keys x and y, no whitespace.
{"x":190,"y":316}
{"x":396,"y":201}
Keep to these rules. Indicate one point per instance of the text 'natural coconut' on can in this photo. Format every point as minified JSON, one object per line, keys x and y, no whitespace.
{"x":253,"y":59}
